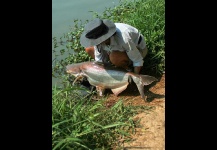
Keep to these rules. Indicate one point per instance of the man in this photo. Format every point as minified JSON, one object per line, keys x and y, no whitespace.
{"x":116,"y":43}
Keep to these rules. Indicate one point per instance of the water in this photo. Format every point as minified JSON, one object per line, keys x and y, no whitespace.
{"x":64,"y":12}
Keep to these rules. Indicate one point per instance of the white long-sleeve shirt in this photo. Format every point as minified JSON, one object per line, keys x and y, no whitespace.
{"x":126,"y":39}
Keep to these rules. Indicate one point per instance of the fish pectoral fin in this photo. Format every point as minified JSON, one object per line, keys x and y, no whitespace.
{"x":141,"y":90}
{"x":142,"y":80}
{"x":118,"y":90}
{"x":79,"y":77}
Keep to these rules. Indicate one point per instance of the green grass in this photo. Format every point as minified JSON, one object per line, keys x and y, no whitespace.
{"x":80,"y":123}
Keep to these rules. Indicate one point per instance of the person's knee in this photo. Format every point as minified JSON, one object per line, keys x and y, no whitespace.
{"x":90,"y":51}
{"x":119,"y":59}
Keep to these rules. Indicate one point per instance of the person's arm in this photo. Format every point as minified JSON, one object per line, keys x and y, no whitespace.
{"x":137,"y":69}
{"x":90,"y":51}
{"x":135,"y":56}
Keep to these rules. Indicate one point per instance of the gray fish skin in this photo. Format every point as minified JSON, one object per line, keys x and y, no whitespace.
{"x":109,"y":77}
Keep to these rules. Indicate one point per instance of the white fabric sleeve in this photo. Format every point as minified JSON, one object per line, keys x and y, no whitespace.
{"x":98,"y":55}
{"x":134,"y":54}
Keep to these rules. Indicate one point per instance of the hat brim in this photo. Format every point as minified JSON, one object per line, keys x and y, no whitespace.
{"x":85,"y":42}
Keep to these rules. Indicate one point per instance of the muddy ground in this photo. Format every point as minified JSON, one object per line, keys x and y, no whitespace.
{"x":151,"y":133}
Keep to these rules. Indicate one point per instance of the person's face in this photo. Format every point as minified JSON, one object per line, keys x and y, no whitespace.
{"x":106,"y":42}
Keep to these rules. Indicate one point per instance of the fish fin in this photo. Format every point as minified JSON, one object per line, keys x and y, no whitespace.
{"x":100,"y":90}
{"x":146,"y":79}
{"x":79,"y":77}
{"x":141,"y":90}
{"x":119,"y":90}
{"x":142,"y":80}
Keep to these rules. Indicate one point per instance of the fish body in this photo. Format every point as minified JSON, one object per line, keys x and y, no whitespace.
{"x":109,"y":77}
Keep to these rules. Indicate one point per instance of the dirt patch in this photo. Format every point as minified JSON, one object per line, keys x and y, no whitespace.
{"x":151,"y":133}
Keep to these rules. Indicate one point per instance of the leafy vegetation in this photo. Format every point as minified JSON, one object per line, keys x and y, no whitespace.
{"x":80,"y":123}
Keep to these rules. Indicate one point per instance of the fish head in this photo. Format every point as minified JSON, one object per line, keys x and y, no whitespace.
{"x":74,"y":69}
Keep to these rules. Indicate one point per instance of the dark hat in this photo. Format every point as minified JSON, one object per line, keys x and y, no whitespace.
{"x":97,"y":31}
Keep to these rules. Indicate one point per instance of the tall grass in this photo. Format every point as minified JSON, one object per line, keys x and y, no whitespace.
{"x":80,"y":123}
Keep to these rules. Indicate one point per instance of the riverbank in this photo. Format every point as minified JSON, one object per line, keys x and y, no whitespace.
{"x":82,"y":122}
{"x":150,"y":134}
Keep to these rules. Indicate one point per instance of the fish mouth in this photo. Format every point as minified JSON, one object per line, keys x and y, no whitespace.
{"x":71,"y":72}
{"x":68,"y":71}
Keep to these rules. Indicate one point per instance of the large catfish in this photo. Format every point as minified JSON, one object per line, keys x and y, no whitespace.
{"x":109,"y":77}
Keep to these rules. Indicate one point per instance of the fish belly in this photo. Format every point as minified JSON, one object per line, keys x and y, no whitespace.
{"x":105,"y":77}
{"x":107,"y":82}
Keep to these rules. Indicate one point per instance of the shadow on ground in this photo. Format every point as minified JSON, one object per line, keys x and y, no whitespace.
{"x":132,"y":90}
